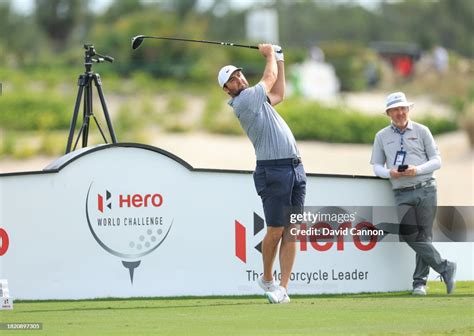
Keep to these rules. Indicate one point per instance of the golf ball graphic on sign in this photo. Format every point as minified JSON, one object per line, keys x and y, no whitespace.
{"x":128,"y":225}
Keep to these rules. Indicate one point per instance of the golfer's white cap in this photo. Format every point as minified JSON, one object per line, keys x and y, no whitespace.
{"x":225,"y":73}
{"x":397,"y":99}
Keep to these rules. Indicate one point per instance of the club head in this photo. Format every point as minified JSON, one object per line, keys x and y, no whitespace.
{"x":137,"y":41}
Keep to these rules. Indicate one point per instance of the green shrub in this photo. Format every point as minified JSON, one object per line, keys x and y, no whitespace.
{"x":176,"y":103}
{"x":173,"y":125}
{"x":127,"y":119}
{"x":53,"y":143}
{"x":438,"y":125}
{"x":312,"y":121}
{"x":24,"y":151}
{"x":34,"y":112}
{"x":8,"y":143}
{"x":217,"y":119}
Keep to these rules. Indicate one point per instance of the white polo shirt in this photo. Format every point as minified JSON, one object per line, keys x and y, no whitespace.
{"x":419,"y":145}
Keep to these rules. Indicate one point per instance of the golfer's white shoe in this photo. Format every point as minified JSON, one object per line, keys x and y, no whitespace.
{"x":278,"y":296}
{"x":419,"y":290}
{"x":267,"y":286}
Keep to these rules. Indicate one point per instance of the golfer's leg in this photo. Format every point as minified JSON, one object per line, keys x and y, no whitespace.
{"x":287,"y":256}
{"x":288,"y":243}
{"x":269,"y":249}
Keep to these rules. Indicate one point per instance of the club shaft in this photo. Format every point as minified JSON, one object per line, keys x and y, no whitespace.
{"x":201,"y":41}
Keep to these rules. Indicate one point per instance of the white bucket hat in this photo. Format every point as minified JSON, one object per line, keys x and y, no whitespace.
{"x":397,"y":99}
{"x":225,"y":73}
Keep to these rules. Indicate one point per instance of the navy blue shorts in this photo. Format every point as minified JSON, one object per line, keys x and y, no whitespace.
{"x":281,"y":184}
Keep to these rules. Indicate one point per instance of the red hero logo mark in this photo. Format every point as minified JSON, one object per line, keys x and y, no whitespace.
{"x":4,"y":242}
{"x":138,"y":201}
{"x":325,"y":245}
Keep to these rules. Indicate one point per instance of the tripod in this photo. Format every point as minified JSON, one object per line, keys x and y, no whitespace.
{"x":85,"y":87}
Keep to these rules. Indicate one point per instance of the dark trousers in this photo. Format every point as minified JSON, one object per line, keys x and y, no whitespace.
{"x":416,"y":212}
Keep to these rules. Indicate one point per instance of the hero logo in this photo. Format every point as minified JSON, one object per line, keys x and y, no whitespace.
{"x":317,"y":242}
{"x":100,"y":201}
{"x":241,"y":237}
{"x":129,"y":201}
{"x":128,"y":225}
{"x":5,"y":242}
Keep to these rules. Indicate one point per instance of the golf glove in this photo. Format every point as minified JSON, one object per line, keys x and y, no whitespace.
{"x":278,"y":52}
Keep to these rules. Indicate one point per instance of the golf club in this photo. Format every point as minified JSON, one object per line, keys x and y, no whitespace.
{"x":137,"y":41}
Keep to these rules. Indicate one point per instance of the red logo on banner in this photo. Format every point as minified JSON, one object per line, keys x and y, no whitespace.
{"x":129,"y":201}
{"x":138,"y":200}
{"x":320,"y":243}
{"x":4,"y":242}
{"x":324,"y":243}
{"x":100,"y":201}
{"x":241,"y":238}
{"x":240,"y":242}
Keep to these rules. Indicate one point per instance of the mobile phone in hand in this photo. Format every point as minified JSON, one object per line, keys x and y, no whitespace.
{"x":402,"y":168}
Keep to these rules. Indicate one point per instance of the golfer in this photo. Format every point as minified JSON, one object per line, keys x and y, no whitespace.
{"x":279,"y":176}
{"x":406,"y":153}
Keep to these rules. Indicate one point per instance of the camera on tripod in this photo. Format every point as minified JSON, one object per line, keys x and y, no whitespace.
{"x":85,"y":94}
{"x":90,"y":53}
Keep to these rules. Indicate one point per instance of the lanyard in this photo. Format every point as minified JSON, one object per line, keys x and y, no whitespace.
{"x":396,"y":130}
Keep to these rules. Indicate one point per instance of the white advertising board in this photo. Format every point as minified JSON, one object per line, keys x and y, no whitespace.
{"x":129,"y":220}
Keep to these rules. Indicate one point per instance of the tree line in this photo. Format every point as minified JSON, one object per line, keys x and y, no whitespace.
{"x":55,"y":29}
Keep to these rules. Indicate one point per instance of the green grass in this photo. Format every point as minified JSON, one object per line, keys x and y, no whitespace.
{"x":397,"y":313}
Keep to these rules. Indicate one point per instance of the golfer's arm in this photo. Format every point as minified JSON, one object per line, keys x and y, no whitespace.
{"x":277,"y":93}
{"x":270,"y":74}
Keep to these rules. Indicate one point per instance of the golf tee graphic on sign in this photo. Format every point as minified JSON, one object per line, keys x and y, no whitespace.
{"x":128,"y":225}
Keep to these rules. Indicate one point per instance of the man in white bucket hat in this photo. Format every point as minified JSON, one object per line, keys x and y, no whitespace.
{"x":406,"y":153}
{"x":279,"y":177}
{"x":397,"y":99}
